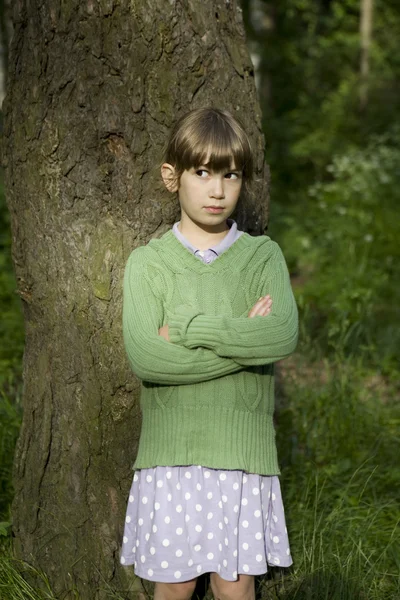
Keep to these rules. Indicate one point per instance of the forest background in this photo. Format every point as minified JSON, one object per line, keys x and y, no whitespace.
{"x":331,"y":119}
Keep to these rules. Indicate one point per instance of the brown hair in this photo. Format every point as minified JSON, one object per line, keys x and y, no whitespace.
{"x":204,"y":131}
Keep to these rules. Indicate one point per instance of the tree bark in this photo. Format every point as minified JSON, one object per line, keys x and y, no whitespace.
{"x":93,"y":88}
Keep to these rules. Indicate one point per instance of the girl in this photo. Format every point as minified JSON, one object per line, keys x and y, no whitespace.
{"x":207,"y":310}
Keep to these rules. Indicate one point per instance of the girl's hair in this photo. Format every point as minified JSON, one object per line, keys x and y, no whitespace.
{"x":213,"y":133}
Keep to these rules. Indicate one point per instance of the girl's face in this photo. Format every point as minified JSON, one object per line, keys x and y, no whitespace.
{"x":202,"y":187}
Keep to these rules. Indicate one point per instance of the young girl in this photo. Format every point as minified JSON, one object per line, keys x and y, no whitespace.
{"x":207,"y":310}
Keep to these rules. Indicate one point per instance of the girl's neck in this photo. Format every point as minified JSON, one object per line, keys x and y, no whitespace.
{"x":200,"y":237}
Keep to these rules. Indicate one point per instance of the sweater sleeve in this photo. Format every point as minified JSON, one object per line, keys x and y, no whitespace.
{"x":151,"y":357}
{"x":247,"y":340}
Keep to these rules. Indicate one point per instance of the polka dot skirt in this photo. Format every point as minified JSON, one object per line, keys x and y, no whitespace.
{"x":186,"y":520}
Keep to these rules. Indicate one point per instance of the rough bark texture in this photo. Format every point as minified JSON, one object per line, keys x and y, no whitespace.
{"x":93,"y":88}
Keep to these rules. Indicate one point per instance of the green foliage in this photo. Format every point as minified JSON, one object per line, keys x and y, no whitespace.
{"x":343,"y":238}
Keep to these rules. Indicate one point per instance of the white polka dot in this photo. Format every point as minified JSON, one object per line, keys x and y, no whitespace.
{"x":188,"y":475}
{"x":224,"y":498}
{"x":131,"y":498}
{"x":273,"y":496}
{"x":244,"y":478}
{"x":198,"y":528}
{"x":167,"y":519}
{"x":149,"y":478}
{"x":257,"y":513}
{"x":209,"y":495}
{"x":165,"y":543}
{"x":177,"y":574}
{"x":262,"y":485}
{"x":144,"y":499}
{"x":198,"y":507}
{"x":187,"y":518}
{"x":269,"y":555}
{"x":157,"y":506}
{"x":220,"y":504}
{"x":226,"y":541}
{"x":245,"y":524}
{"x":235,"y":553}
{"x":147,"y":537}
{"x":245,"y":546}
{"x":206,"y":474}
{"x":178,"y":486}
{"x":150,"y":572}
{"x":197,"y":547}
{"x":269,"y":494}
{"x":140,"y":521}
{"x":137,"y":543}
{"x":226,"y":520}
{"x":256,"y":491}
{"x":143,"y":559}
{"x":222,"y":476}
{"x":275,"y":518}
{"x":160,"y":483}
{"x":169,"y":475}
{"x":258,"y":535}
{"x":276,"y":560}
{"x":246,"y":568}
{"x":169,"y":497}
{"x":236,"y":485}
{"x":151,"y":515}
{"x":198,"y":486}
{"x":164,"y":564}
{"x":236,"y":508}
{"x":225,"y":562}
{"x":190,"y":562}
{"x":210,"y":556}
{"x":179,"y":508}
{"x":179,"y":531}
{"x":135,"y":477}
{"x":275,"y":539}
{"x":234,"y":574}
{"x":259,"y":558}
{"x":209,"y":515}
{"x":244,"y":501}
{"x":178,"y":553}
{"x":187,"y":496}
{"x":235,"y":531}
{"x":152,"y":550}
{"x":220,"y":547}
{"x":220,"y":525}
{"x":122,"y":560}
{"x":128,"y":519}
{"x":198,"y":568}
{"x":210,"y":536}
{"x":125,"y":539}
{"x":287,"y":551}
{"x":154,"y":528}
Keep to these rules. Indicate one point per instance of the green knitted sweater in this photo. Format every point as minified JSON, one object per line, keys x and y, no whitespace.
{"x":207,"y":395}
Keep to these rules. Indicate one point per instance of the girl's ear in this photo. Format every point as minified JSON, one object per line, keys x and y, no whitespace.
{"x":169,"y":177}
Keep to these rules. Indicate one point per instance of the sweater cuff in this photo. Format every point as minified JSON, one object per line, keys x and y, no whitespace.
{"x":179,"y":322}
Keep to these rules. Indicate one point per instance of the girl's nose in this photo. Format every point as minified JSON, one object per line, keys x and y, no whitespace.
{"x":217,"y":188}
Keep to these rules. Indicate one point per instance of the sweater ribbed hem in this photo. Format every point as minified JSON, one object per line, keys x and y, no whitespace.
{"x":229,"y":439}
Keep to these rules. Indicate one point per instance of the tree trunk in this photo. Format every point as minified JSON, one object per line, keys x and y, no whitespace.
{"x":93,"y":88}
{"x":366,"y":10}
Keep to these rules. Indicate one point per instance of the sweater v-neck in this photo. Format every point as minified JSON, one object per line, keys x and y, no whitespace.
{"x":182,"y":257}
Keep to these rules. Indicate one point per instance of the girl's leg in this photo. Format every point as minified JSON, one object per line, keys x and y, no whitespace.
{"x":242,"y":589}
{"x":175,"y":591}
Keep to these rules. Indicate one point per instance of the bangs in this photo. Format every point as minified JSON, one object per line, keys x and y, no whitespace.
{"x":210,"y":138}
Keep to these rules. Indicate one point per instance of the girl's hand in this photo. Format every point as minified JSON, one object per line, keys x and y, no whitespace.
{"x":164,"y":332}
{"x":262,"y":307}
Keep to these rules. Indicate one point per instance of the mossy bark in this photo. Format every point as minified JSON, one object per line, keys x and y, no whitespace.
{"x":93,"y":88}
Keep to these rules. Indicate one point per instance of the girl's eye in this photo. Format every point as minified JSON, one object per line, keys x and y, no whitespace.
{"x":232,"y":175}
{"x":201,"y":172}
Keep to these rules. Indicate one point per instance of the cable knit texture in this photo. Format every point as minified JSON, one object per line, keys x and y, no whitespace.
{"x":207,"y":395}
